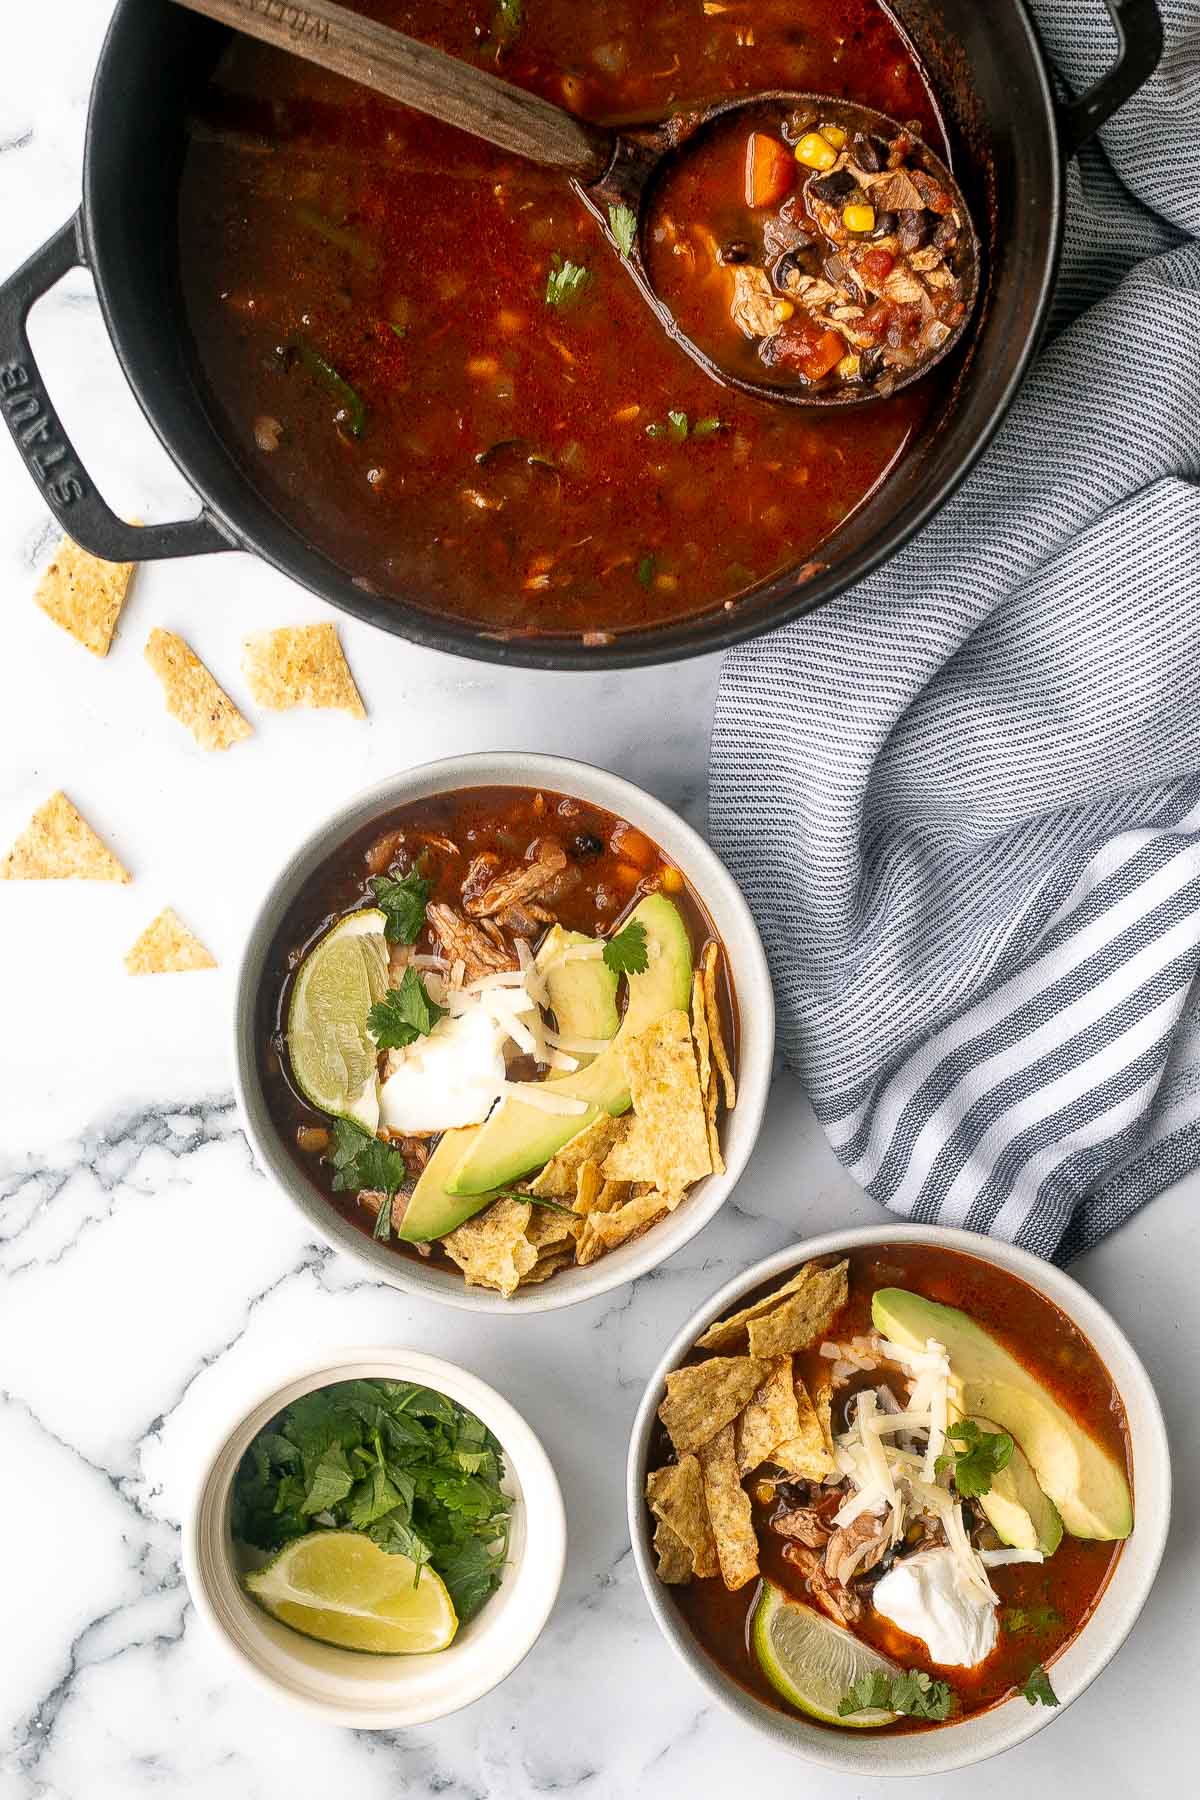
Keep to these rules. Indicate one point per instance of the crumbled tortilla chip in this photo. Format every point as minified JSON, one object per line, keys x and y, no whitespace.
{"x":712,"y":955}
{"x":822,"y":1399}
{"x":549,"y":1226}
{"x":803,"y":1316}
{"x":603,"y":1231}
{"x":559,"y":1179}
{"x":612,"y":1193}
{"x":167,"y":947}
{"x":588,"y":1188}
{"x":668,"y":1142}
{"x":707,"y":1074}
{"x":491,"y":1249}
{"x":675,"y":1496}
{"x":300,"y":665}
{"x":711,"y":1103}
{"x":57,"y":845}
{"x":768,"y":1418}
{"x":674,"y":1557}
{"x":193,"y":696}
{"x":806,"y":1453}
{"x":729,"y":1511}
{"x":84,"y":595}
{"x":727,"y":1332}
{"x":549,"y":1263}
{"x":702,"y":1397}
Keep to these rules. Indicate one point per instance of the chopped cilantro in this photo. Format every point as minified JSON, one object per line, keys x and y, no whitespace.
{"x":912,"y":1693}
{"x":1037,"y":1689}
{"x":404,"y":1014}
{"x":983,"y":1455}
{"x":566,"y":282}
{"x":403,"y":904}
{"x":417,"y":1474}
{"x":678,"y":429}
{"x":361,"y":1162}
{"x":382,"y":1230}
{"x":645,"y":571}
{"x":677,"y":426}
{"x":510,"y":19}
{"x":622,"y":222}
{"x":401,"y":331}
{"x":1020,"y":1621}
{"x":705,"y":427}
{"x":625,"y":954}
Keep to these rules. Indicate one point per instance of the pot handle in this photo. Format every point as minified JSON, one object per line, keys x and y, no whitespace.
{"x":44,"y":446}
{"x":1139,"y":46}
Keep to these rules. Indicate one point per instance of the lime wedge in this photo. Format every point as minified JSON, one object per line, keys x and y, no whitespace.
{"x":332,"y":1056}
{"x":811,"y":1661}
{"x":340,"y":1587}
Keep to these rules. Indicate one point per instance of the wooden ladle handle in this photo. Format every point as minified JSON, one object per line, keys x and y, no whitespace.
{"x":419,"y":76}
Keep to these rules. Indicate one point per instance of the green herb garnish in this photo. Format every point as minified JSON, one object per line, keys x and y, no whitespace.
{"x":361,"y":1162}
{"x":678,"y":429}
{"x":622,"y":222}
{"x":417,"y":1474}
{"x":566,"y":282}
{"x":510,"y":20}
{"x":1019,"y":1621}
{"x":912,"y":1693}
{"x":352,"y":411}
{"x":645,"y":571}
{"x":1037,"y":1689}
{"x":983,"y":1455}
{"x":625,"y":954}
{"x":404,"y":1014}
{"x":705,"y":427}
{"x":403,"y":905}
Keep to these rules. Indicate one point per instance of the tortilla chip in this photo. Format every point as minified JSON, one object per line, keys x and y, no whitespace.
{"x":703,"y":1397}
{"x":675,"y":1496}
{"x":707,"y":1074}
{"x":84,"y":595}
{"x":612,"y":1194}
{"x":674,"y":1557}
{"x":57,"y":845}
{"x":300,"y":665}
{"x":727,"y":1332}
{"x":712,"y":955}
{"x":167,"y":947}
{"x":668,"y":1142}
{"x":804,"y":1316}
{"x":588,"y":1188}
{"x":729,"y":1511}
{"x":559,"y":1179}
{"x":822,"y":1399}
{"x":711,"y":1102}
{"x":603,"y":1231}
{"x":807,"y":1453}
{"x":770,"y":1417}
{"x":192,"y":695}
{"x":549,"y":1226}
{"x":491,"y":1249}
{"x":549,"y":1263}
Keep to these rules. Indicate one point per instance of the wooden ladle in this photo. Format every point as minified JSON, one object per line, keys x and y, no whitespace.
{"x":606,"y":168}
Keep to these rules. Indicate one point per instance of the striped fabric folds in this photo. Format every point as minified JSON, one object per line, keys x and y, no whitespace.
{"x":964,"y":800}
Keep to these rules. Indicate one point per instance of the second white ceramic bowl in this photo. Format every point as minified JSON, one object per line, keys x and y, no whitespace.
{"x":721,"y":898}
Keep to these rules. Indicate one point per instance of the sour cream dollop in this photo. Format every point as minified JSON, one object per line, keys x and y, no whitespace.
{"x":448,"y":1079}
{"x":926,"y":1596}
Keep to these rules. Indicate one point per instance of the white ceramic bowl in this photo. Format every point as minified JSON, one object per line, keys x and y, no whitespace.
{"x":349,"y":1687}
{"x":984,"y":1734}
{"x":751,"y":981}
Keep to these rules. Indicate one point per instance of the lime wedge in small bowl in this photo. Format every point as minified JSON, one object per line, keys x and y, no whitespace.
{"x":332,"y":1054}
{"x":340,"y":1587}
{"x":812,"y":1662}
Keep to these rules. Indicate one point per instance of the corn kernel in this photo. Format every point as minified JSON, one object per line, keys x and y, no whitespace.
{"x":833,"y":134}
{"x":672,"y":881}
{"x":848,"y":368}
{"x":859,"y":218}
{"x":815,"y":152}
{"x":783,"y":309}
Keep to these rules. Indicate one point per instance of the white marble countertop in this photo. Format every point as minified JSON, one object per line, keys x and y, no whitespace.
{"x":149,"y":1278}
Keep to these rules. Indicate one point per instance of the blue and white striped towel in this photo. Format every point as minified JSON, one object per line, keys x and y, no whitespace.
{"x":964,"y":800}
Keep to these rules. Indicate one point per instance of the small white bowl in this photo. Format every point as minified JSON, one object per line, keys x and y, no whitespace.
{"x":984,"y":1734}
{"x":349,"y":1687}
{"x":722,"y":899}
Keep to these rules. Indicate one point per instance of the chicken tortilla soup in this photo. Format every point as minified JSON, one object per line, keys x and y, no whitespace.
{"x":432,"y":364}
{"x":888,"y":1491}
{"x":498,"y":1033}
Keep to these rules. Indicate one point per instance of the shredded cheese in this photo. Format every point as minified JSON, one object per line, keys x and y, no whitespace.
{"x":1000,"y":1559}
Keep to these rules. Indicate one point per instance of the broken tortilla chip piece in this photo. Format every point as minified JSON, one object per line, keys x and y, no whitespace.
{"x":711,"y":1102}
{"x":729,"y":1511}
{"x":167,"y":947}
{"x":727,"y":1332}
{"x":706,"y":1072}
{"x":547,"y":1264}
{"x":603,"y":1231}
{"x":712,"y":956}
{"x":491,"y":1249}
{"x":805,"y":1314}
{"x":822,"y":1399}
{"x":807,"y":1453}
{"x":549,"y":1225}
{"x":674,"y":1558}
{"x":668,"y":1142}
{"x":192,"y":695}
{"x":58,"y":845}
{"x":768,"y":1418}
{"x":84,"y":594}
{"x":675,"y":1496}
{"x":300,"y":665}
{"x":703,"y":1397}
{"x":588,"y":1188}
{"x":559,"y":1179}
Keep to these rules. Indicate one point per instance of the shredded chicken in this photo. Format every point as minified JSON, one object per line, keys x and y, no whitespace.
{"x":512,"y":897}
{"x":855,"y":1548}
{"x":805,"y":1524}
{"x":842,"y":1605}
{"x":894,"y":192}
{"x":753,"y":304}
{"x":464,"y":941}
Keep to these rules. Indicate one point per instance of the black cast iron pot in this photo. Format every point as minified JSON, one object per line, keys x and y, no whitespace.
{"x":1010,"y":138}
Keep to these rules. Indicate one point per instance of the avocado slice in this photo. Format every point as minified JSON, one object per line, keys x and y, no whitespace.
{"x":582,"y":994}
{"x":519,"y":1137}
{"x":1084,"y":1482}
{"x":1015,"y":1506}
{"x":432,"y":1211}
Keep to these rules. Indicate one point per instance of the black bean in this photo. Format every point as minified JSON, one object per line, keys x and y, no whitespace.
{"x":870,"y":363}
{"x":739,"y":251}
{"x":885,"y":224}
{"x":832,"y":188}
{"x":870,"y":153}
{"x":834,"y":269}
{"x":789,"y":268}
{"x":587,"y":845}
{"x":945,"y":234}
{"x":915,"y":229}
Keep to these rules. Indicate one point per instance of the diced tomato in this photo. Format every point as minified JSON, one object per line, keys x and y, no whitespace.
{"x":877,"y":265}
{"x":877,"y":318}
{"x":770,"y":170}
{"x":803,"y":346}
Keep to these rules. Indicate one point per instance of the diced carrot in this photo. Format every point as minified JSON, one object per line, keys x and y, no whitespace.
{"x":770,"y":170}
{"x":825,"y":355}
